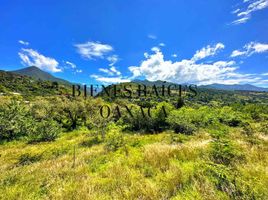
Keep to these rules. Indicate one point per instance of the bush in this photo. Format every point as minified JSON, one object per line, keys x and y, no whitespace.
{"x":159,"y":116}
{"x":224,"y":152}
{"x":247,"y":129}
{"x":15,"y":121}
{"x":184,"y":127}
{"x":229,"y":117}
{"x":181,"y":122}
{"x":264,"y":128}
{"x":45,"y":131}
{"x":136,"y":121}
{"x":257,"y":112}
{"x":71,"y":113}
{"x":224,"y":180}
{"x":222,"y":131}
{"x":153,"y":121}
{"x":114,"y":139}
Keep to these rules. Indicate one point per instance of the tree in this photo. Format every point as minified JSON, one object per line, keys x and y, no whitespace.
{"x":15,"y":120}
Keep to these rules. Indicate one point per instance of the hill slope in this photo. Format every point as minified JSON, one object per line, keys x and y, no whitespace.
{"x":27,"y":86}
{"x":37,"y":73}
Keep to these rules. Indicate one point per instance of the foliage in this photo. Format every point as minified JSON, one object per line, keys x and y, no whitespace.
{"x":15,"y":121}
{"x":45,"y":131}
{"x":114,"y":138}
{"x":264,"y":127}
{"x":11,"y":83}
{"x":181,"y":121}
{"x":224,"y":152}
{"x":229,"y":117}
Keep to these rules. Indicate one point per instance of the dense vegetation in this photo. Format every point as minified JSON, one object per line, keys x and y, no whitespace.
{"x":11,"y":83}
{"x":60,"y":147}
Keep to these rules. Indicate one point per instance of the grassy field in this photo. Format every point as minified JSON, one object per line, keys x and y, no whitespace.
{"x":149,"y":166}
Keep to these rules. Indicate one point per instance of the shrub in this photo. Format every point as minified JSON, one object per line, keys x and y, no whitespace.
{"x":224,"y":152}
{"x":224,"y":180}
{"x":71,"y":113}
{"x":41,"y":109}
{"x":159,"y":116}
{"x":181,"y":122}
{"x":15,"y":121}
{"x":204,"y":116}
{"x":136,"y":121}
{"x":264,"y":128}
{"x":45,"y":131}
{"x":247,"y":129}
{"x":222,"y":131}
{"x":229,"y":117}
{"x":114,"y":139}
{"x":257,"y":112}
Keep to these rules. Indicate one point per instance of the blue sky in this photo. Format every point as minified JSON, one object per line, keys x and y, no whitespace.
{"x":107,"y":41}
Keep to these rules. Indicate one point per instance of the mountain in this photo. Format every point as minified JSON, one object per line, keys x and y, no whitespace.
{"x":238,"y":87}
{"x":36,"y":73}
{"x":157,"y":83}
{"x":244,"y":87}
{"x":17,"y":84}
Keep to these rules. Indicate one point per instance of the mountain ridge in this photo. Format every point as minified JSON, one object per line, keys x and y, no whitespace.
{"x":234,"y":87}
{"x":216,"y":86}
{"x":37,"y":73}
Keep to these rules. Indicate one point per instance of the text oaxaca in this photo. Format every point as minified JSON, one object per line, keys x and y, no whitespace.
{"x":172,"y":93}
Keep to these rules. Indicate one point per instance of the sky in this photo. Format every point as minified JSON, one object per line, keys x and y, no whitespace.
{"x":110,"y":41}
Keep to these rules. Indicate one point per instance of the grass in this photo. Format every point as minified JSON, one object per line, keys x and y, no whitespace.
{"x":156,"y":166}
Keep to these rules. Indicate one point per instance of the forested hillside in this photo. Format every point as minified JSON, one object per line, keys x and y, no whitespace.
{"x":12,"y":83}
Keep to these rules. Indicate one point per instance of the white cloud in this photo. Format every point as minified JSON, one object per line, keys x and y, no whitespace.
{"x":241,"y":20}
{"x":251,"y":48}
{"x":255,"y":47}
{"x":184,"y":71}
{"x":111,"y":71}
{"x":79,"y":71}
{"x":112,"y":76}
{"x":155,"y":49}
{"x":174,"y":55}
{"x":72,"y":65}
{"x":112,"y":59}
{"x":31,"y":57}
{"x":107,"y":71}
{"x":236,"y":11}
{"x":109,"y":80}
{"x":146,"y":55}
{"x":151,"y":36}
{"x":23,"y":42}
{"x":115,"y":71}
{"x":162,"y":44}
{"x":91,"y":50}
{"x":207,"y":51}
{"x":155,"y":67}
{"x":236,"y":53}
{"x":251,"y":7}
